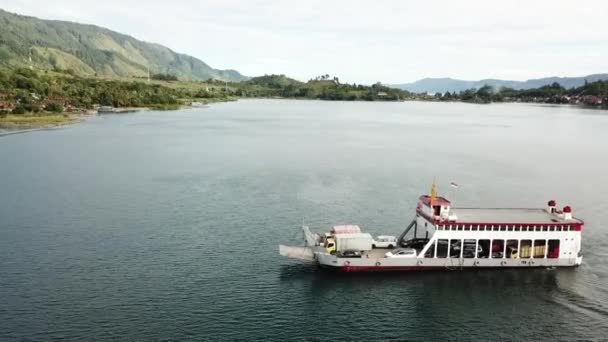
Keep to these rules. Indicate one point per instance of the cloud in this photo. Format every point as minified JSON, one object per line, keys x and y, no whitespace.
{"x":361,"y":41}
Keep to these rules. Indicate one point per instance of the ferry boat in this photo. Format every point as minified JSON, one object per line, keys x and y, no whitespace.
{"x":445,"y":237}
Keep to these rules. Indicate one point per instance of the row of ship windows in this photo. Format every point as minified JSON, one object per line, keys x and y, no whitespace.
{"x":493,"y":249}
{"x":505,"y":228}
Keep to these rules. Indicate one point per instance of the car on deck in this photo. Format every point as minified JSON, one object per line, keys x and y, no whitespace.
{"x":401,"y":253}
{"x":417,"y":243}
{"x":384,"y":241}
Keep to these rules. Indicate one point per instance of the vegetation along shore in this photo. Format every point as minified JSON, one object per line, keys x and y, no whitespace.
{"x":45,"y":98}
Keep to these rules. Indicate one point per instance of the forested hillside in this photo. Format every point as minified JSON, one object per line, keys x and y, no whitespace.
{"x":88,"y":50}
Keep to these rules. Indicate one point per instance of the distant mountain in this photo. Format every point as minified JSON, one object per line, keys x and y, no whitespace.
{"x":441,"y":85}
{"x":90,"y":50}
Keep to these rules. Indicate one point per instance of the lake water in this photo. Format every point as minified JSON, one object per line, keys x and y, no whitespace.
{"x":165,"y":225}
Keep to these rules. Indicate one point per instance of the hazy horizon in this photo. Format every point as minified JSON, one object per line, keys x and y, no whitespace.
{"x":389,"y":41}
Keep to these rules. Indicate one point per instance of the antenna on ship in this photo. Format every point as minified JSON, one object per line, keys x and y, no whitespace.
{"x":433,"y":192}
{"x":453,"y":188}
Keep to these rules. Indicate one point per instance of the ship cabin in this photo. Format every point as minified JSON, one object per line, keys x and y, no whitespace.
{"x":441,"y":231}
{"x":435,"y":209}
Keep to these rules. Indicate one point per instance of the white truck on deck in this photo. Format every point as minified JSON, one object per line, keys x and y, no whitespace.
{"x":354,"y":241}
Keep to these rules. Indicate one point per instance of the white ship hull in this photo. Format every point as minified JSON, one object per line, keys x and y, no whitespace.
{"x":428,"y":264}
{"x":453,"y":239}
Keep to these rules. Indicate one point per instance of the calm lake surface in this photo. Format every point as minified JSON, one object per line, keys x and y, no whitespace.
{"x":165,"y":226}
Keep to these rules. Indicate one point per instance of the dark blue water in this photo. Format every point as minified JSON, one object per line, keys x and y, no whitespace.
{"x":165,"y":226}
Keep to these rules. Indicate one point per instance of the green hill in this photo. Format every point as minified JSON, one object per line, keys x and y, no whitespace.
{"x":322,"y":87}
{"x":88,"y":50}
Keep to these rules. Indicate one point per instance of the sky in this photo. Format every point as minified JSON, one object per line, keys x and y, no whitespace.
{"x":361,"y":41}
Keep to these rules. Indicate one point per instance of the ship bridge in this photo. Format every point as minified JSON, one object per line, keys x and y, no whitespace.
{"x":439,"y":211}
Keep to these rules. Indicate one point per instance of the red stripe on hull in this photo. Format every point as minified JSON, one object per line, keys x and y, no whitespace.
{"x":385,"y":268}
{"x":351,"y":269}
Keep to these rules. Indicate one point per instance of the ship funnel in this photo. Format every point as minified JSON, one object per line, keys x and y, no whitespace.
{"x":567,"y":213}
{"x":551,"y":206}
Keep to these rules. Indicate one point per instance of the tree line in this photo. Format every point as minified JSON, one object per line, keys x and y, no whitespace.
{"x":590,"y":93}
{"x":24,"y":90}
{"x":322,"y":87}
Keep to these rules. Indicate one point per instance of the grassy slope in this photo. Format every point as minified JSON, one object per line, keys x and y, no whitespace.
{"x":62,"y":61}
{"x":67,"y":45}
{"x":11,"y":121}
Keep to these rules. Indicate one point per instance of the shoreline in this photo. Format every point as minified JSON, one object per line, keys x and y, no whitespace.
{"x":75,"y":118}
{"x":25,"y":123}
{"x":6,"y":132}
{"x":557,"y":105}
{"x":32,"y":127}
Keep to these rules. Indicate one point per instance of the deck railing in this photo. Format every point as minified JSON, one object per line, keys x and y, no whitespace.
{"x":507,"y":227}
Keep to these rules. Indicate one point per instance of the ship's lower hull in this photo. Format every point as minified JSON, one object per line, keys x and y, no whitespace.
{"x":429,"y":264}
{"x":351,"y":269}
{"x":383,"y":268}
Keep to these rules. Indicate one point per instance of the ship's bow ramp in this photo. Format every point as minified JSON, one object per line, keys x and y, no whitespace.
{"x":300,"y":253}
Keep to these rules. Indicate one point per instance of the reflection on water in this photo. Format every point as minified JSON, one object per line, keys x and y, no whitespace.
{"x":157,"y":226}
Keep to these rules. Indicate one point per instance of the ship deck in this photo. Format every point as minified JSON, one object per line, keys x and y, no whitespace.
{"x":375,"y":253}
{"x":508,"y":216}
